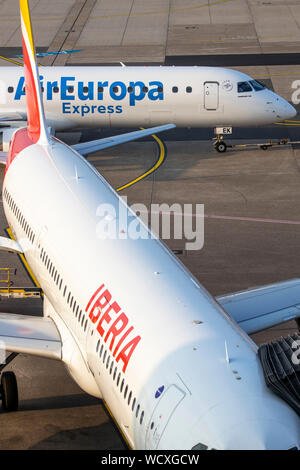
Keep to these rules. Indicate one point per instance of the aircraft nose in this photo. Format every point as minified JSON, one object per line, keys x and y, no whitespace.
{"x":286,"y":110}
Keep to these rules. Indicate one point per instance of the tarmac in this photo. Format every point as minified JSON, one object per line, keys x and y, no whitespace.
{"x":251,"y":197}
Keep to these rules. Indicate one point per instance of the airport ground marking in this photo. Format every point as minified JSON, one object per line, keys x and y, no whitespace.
{"x":23,"y":261}
{"x":161,"y":158}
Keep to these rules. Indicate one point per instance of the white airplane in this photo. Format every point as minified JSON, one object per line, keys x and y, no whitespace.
{"x":131,"y":324}
{"x":141,"y":96}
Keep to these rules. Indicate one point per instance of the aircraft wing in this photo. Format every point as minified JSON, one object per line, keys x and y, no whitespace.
{"x":30,"y":335}
{"x":11,"y":117}
{"x":85,"y":148}
{"x":6,"y":244}
{"x":262,"y":307}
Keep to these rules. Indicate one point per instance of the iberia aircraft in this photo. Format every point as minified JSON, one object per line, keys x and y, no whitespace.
{"x":131,"y":324}
{"x":99,"y":97}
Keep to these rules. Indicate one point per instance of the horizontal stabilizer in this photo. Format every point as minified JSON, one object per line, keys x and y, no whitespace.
{"x":29,"y":335}
{"x":263,"y":307}
{"x":6,"y":244}
{"x":86,"y":148}
{"x":12,"y":117}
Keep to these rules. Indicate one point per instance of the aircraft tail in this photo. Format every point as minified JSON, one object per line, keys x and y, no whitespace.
{"x":36,"y":123}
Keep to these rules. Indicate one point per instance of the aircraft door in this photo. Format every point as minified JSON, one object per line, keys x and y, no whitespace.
{"x":211,"y":95}
{"x":170,"y":400}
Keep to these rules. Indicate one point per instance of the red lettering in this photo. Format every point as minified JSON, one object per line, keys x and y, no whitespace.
{"x":100,"y":303}
{"x":114,"y":331}
{"x":106,"y":317}
{"x":130,"y":347}
{"x":121,"y":340}
{"x":93,"y":296}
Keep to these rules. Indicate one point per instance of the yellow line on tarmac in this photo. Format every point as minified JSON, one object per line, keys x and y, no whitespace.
{"x":285,"y":124}
{"x":10,"y":60}
{"x":158,"y":163}
{"x":24,"y":262}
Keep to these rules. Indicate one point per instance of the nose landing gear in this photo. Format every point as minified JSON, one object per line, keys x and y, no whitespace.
{"x":219,"y":143}
{"x":8,"y":387}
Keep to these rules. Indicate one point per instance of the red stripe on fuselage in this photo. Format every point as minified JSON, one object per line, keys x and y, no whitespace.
{"x":33,"y":115}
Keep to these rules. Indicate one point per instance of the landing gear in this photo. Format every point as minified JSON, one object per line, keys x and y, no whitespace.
{"x":221,"y":147}
{"x":219,"y":143}
{"x":8,"y":387}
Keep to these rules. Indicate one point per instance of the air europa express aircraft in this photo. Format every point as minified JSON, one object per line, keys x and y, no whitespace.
{"x":129,"y":321}
{"x":142,"y":96}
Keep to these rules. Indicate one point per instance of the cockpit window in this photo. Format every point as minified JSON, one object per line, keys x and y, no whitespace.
{"x":257,"y":85}
{"x":243,"y":87}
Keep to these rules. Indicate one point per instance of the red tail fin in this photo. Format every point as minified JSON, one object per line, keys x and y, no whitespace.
{"x":37,"y":129}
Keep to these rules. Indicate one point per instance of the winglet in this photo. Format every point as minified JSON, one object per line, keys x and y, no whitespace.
{"x":37,"y":129}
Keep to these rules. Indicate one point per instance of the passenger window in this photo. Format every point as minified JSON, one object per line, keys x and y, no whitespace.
{"x":175,"y":89}
{"x":189,"y":89}
{"x":10,"y":89}
{"x":244,"y":87}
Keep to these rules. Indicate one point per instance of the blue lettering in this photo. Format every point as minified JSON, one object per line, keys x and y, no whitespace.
{"x":50,"y":86}
{"x":101,"y":86}
{"x":85,"y":110}
{"x":114,"y":94}
{"x":19,"y":91}
{"x":64,"y":88}
{"x":83,"y":95}
{"x":119,"y":109}
{"x":101,"y":109}
{"x":66,"y":108}
{"x":110,"y":109}
{"x":132,"y":96}
{"x":154,"y":94}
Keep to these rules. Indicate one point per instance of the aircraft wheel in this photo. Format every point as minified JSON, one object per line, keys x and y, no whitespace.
{"x":9,"y":391}
{"x":221,"y":147}
{"x":264,"y":147}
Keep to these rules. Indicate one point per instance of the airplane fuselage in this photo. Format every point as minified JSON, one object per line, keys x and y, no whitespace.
{"x":137,"y":329}
{"x":145,"y":96}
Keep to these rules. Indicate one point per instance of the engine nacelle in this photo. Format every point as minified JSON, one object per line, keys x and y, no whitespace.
{"x":8,"y":132}
{"x":6,"y":135}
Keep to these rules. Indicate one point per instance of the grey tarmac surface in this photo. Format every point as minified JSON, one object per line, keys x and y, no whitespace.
{"x":54,"y":413}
